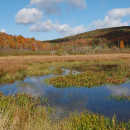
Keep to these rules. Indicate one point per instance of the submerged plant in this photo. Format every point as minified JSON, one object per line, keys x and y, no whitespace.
{"x":120,"y":97}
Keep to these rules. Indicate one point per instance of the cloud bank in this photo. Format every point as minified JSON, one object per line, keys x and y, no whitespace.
{"x":63,"y":30}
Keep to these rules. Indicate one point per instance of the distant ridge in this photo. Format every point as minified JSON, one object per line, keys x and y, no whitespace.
{"x":108,"y":33}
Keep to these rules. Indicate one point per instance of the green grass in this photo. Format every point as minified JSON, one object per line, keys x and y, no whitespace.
{"x":9,"y":77}
{"x":23,"y":52}
{"x":24,"y":111}
{"x":92,"y":74}
{"x":38,"y":69}
{"x":60,"y":52}
{"x":120,"y":97}
{"x":32,"y":69}
{"x":20,"y":111}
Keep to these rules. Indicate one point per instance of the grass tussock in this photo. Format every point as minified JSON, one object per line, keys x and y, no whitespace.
{"x":93,"y":74}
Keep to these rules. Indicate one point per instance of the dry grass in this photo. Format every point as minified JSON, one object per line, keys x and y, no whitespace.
{"x":14,"y":63}
{"x":14,"y":67}
{"x":38,"y":120}
{"x":51,"y":58}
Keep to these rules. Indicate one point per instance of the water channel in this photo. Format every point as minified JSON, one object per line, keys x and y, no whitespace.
{"x":67,"y":100}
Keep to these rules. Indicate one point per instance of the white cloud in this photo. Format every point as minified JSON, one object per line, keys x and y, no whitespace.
{"x":53,"y":6}
{"x":42,"y":26}
{"x":118,"y":13}
{"x":3,"y":31}
{"x":113,"y":19}
{"x":28,"y":16}
{"x":81,"y":4}
{"x":108,"y":23}
{"x":118,"y":90}
{"x":63,"y":30}
{"x":49,"y":6}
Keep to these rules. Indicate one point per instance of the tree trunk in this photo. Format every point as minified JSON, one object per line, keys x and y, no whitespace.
{"x":118,"y":43}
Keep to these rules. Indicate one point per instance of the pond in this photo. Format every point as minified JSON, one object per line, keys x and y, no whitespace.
{"x":66,"y":100}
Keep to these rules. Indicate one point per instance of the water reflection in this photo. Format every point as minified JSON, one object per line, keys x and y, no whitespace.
{"x":71,"y":99}
{"x":120,"y":89}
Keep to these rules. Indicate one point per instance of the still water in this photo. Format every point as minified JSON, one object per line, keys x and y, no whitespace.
{"x":66,"y":100}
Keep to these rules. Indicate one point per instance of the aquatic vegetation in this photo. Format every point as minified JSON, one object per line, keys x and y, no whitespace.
{"x":96,"y":122}
{"x":23,"y":84}
{"x":9,"y":77}
{"x":107,"y":73}
{"x":127,"y":97}
{"x":87,"y":79}
{"x":14,"y":68}
{"x":120,"y":97}
{"x":45,"y":81}
{"x":22,"y":111}
{"x":57,"y":70}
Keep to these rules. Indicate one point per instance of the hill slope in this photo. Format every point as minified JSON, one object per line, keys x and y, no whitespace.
{"x":110,"y":34}
{"x":108,"y":37}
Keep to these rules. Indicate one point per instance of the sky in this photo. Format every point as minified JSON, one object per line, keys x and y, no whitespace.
{"x":52,"y":19}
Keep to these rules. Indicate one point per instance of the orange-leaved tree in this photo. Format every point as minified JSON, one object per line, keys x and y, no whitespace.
{"x":33,"y":48}
{"x":121,"y":44}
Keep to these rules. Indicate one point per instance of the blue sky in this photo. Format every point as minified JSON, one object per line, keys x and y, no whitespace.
{"x":52,"y":19}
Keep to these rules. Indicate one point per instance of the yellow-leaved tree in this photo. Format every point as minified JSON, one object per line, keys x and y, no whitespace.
{"x":121,"y":44}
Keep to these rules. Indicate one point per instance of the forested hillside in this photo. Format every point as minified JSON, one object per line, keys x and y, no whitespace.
{"x":111,"y":36}
{"x":118,"y":37}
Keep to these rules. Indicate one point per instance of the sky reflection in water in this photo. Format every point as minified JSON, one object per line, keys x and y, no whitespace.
{"x":71,"y":99}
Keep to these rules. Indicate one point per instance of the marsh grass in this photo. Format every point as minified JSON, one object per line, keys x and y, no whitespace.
{"x":20,"y":111}
{"x":108,"y":68}
{"x":120,"y":97}
{"x":13,"y":73}
{"x":23,"y":111}
{"x":57,"y":71}
{"x":94,"y":73}
{"x":89,"y":79}
{"x":23,"y":84}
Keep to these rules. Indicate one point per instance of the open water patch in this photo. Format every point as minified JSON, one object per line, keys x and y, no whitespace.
{"x":66,"y":100}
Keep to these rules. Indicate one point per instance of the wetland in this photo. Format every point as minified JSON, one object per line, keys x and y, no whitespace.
{"x":65,"y":92}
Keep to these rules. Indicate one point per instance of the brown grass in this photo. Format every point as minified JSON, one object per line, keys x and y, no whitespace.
{"x":52,"y":58}
{"x":14,"y":63}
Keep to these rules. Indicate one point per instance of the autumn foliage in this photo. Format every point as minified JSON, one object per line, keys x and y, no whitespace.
{"x":110,"y":37}
{"x":19,"y":42}
{"x":121,"y":44}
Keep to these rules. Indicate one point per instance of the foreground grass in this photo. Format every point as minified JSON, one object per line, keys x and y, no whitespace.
{"x":20,"y":111}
